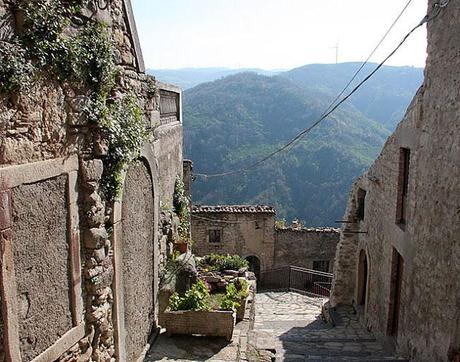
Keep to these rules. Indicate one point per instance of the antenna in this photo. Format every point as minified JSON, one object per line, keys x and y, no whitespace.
{"x":336,"y":52}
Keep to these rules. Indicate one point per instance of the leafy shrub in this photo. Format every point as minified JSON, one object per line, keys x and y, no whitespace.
{"x":16,"y":70}
{"x":234,"y":293}
{"x":125,"y":132}
{"x":242,"y":286}
{"x":217,"y":262}
{"x":196,"y":298}
{"x":182,"y":208}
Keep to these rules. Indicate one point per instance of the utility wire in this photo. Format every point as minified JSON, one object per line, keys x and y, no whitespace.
{"x":369,"y":57}
{"x":435,"y":12}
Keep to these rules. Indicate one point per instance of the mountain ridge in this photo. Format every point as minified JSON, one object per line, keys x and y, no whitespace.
{"x":234,"y":121}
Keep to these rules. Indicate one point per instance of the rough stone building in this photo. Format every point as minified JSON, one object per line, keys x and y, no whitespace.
{"x":249,"y":231}
{"x":245,"y":230}
{"x":310,"y":248}
{"x":90,"y":149}
{"x":398,"y":256}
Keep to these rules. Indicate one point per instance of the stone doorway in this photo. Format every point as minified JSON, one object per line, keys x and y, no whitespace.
{"x":135,"y":264}
{"x":254,"y":265}
{"x":363,"y":275}
{"x":397,"y":266}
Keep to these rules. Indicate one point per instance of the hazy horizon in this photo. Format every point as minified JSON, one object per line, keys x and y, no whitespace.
{"x":277,"y":69}
{"x":267,"y":34}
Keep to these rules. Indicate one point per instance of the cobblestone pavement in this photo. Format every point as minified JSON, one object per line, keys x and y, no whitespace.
{"x":289,"y":325}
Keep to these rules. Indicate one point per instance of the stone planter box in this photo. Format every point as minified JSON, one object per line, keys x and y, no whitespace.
{"x":241,"y":309}
{"x":212,"y":324}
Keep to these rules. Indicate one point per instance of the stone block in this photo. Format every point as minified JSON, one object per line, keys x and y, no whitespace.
{"x":95,"y":238}
{"x":92,"y":170}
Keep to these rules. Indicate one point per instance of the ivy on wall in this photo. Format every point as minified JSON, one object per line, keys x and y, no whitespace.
{"x":52,"y":39}
{"x":126,"y":133}
{"x":181,"y":205}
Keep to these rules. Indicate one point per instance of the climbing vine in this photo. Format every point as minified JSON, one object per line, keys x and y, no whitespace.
{"x":45,"y":44}
{"x":126,"y":133}
{"x":181,"y":205}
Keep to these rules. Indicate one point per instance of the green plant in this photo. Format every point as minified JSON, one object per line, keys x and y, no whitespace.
{"x":217,"y":262}
{"x":181,"y":205}
{"x":231,"y":300}
{"x":16,"y":70}
{"x":281,"y":224}
{"x":242,"y":286}
{"x":196,"y":298}
{"x":125,"y":132}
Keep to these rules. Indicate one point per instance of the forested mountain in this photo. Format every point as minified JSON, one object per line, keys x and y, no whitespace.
{"x":231,"y":122}
{"x":383,"y":98}
{"x":190,"y":77}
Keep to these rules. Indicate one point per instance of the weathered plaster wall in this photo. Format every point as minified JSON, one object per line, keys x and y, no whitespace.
{"x":429,"y":243}
{"x":242,"y":234}
{"x":300,"y":247}
{"x":169,"y":155}
{"x":138,"y":259}
{"x":41,"y":258}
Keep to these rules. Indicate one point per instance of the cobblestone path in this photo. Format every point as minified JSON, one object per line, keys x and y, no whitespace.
{"x":289,"y":325}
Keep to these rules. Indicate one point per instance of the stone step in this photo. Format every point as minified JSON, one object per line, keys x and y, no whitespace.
{"x":289,"y":357}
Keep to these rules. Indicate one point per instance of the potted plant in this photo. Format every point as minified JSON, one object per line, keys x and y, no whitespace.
{"x":192,"y":314}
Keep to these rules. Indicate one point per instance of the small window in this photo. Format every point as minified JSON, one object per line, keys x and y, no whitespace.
{"x":257,"y":225}
{"x":361,"y":204}
{"x":215,"y":236}
{"x":321,"y":265}
{"x":403,"y":186}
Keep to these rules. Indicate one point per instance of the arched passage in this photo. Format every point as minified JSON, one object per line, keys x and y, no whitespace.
{"x":363,"y":275}
{"x":254,"y":265}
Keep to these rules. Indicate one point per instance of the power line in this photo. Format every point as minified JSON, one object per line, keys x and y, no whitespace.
{"x":435,"y":12}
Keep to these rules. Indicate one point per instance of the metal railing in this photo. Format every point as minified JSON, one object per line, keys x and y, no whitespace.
{"x":301,"y":280}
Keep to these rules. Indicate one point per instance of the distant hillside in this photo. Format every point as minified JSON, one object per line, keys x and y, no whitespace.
{"x":233,"y":121}
{"x":190,"y":77}
{"x":383,"y":98}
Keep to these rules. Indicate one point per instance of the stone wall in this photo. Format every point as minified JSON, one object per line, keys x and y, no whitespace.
{"x":301,"y":247}
{"x":66,"y":290}
{"x":244,"y":234}
{"x":428,"y":241}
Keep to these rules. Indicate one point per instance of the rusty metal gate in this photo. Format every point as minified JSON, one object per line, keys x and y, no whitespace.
{"x":301,"y":280}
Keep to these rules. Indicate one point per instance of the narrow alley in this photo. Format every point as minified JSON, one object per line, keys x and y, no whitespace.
{"x":285,"y":326}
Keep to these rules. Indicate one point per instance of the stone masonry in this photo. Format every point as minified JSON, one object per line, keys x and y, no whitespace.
{"x":69,"y":253}
{"x":308,"y":248}
{"x":249,"y":231}
{"x":398,"y":257}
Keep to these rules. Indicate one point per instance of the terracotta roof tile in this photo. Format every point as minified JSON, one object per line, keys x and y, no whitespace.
{"x":235,"y":209}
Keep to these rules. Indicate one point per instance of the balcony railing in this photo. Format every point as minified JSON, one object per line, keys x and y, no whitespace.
{"x":291,"y":278}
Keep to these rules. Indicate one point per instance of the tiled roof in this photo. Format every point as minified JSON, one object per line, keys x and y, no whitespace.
{"x":311,"y":230}
{"x":236,"y":209}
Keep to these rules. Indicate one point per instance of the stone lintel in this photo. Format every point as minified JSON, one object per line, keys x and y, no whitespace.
{"x":16,"y":175}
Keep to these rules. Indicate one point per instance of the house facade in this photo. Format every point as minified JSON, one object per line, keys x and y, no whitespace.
{"x":250,"y":232}
{"x":398,"y":256}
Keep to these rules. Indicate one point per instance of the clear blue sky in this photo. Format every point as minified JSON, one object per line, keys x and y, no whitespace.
{"x":274,"y":34}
